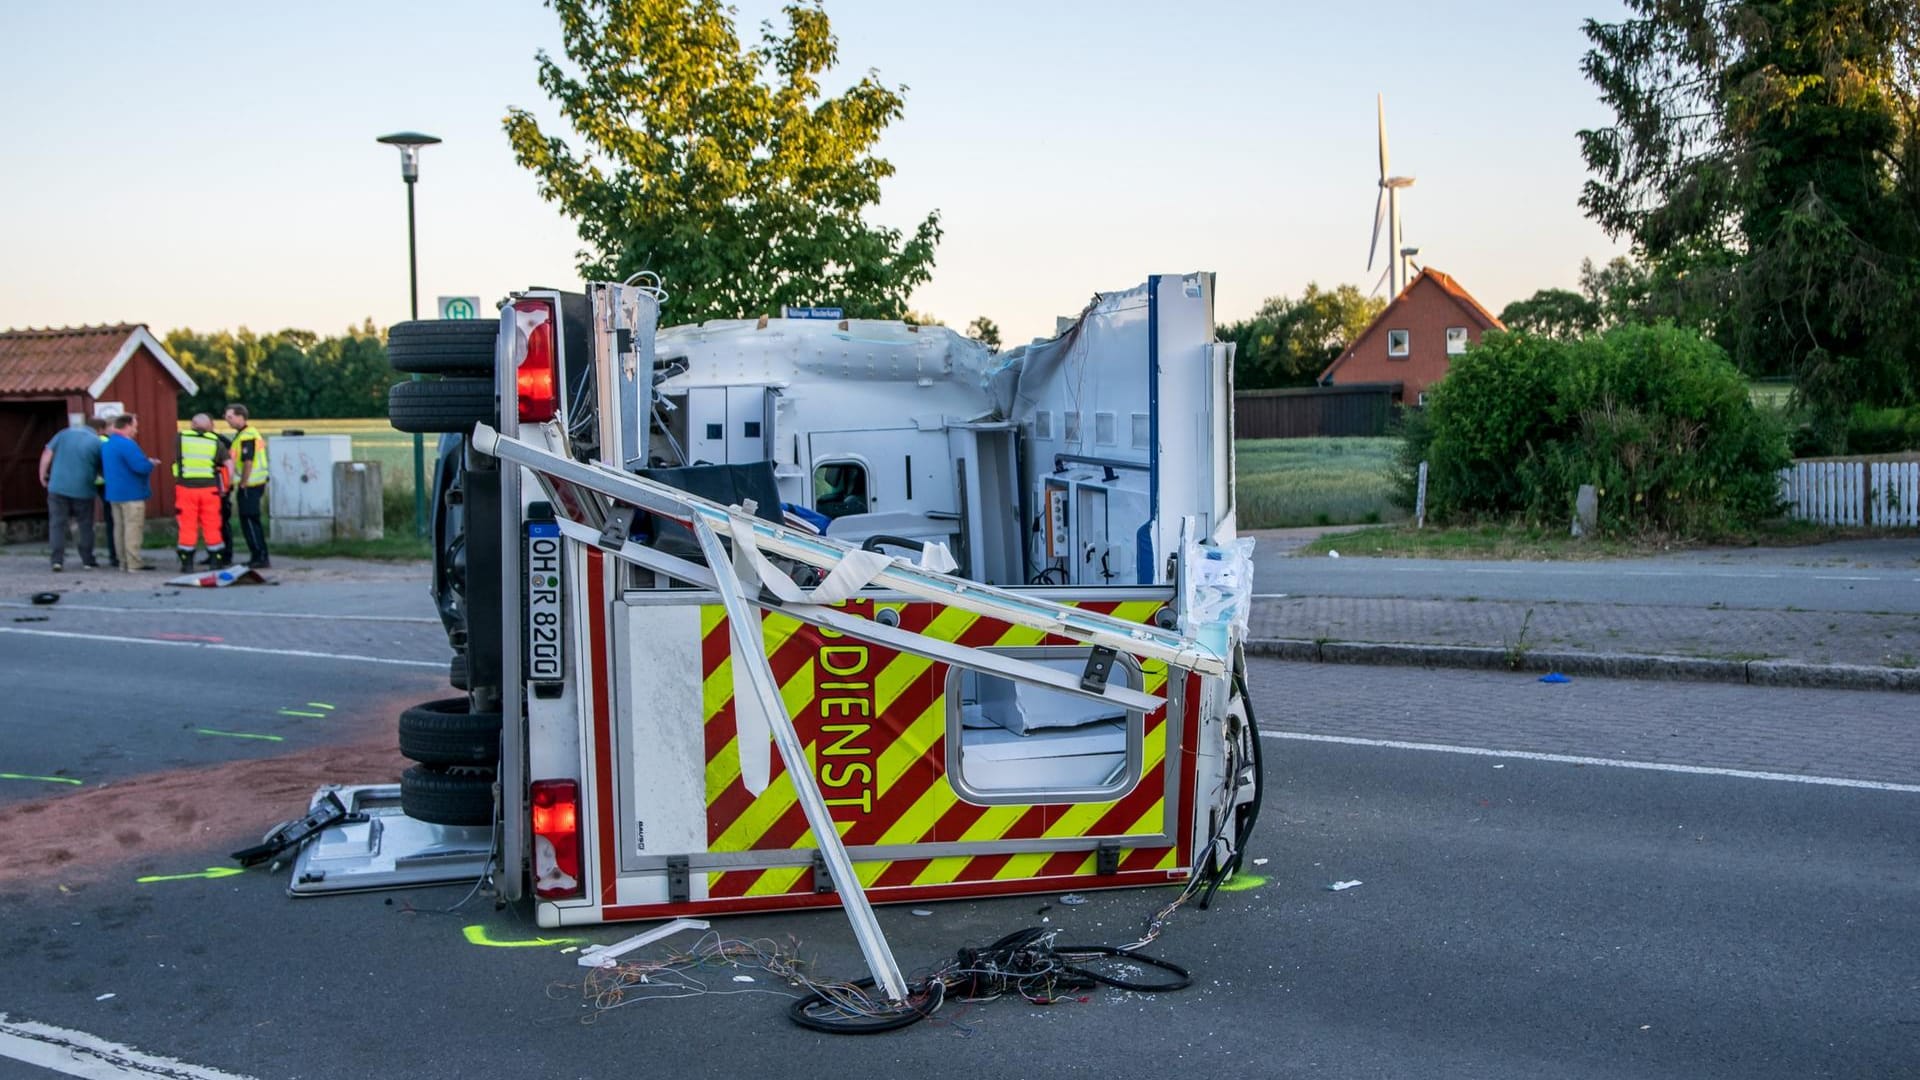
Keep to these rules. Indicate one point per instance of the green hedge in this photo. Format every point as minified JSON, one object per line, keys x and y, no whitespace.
{"x":1656,"y":418}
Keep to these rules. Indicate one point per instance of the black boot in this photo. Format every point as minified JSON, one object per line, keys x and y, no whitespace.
{"x":186,"y":561}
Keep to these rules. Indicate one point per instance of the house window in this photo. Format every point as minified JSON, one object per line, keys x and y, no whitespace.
{"x":1399,"y":342}
{"x":1423,"y":399}
{"x":1456,"y":340}
{"x":840,"y":488}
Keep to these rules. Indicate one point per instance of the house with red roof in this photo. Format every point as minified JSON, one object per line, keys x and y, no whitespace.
{"x":55,"y":378}
{"x":1415,"y":339}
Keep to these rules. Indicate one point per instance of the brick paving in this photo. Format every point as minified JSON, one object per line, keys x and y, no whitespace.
{"x":1817,"y":637}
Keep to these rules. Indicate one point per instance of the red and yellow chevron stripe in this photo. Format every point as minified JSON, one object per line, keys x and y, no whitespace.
{"x":874,"y":725}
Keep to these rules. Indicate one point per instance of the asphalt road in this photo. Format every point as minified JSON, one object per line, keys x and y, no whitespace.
{"x":1521,"y":916}
{"x":1872,"y":575}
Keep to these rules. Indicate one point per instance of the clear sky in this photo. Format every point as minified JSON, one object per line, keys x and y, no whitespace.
{"x":213,"y":165}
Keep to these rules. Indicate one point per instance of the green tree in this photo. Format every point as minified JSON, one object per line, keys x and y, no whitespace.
{"x":921,"y":318}
{"x":721,"y":167}
{"x":289,"y":373}
{"x":1289,"y":341}
{"x":985,"y":331}
{"x":1552,"y":313}
{"x":1763,"y":161}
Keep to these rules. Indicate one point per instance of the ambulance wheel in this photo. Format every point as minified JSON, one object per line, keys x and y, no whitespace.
{"x":443,"y":346}
{"x":438,"y":406}
{"x":445,"y":732}
{"x":439,"y":797}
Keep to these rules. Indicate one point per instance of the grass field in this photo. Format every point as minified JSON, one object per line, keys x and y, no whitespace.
{"x":1289,"y":482}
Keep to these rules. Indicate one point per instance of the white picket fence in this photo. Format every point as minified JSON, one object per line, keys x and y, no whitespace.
{"x":1880,"y":493}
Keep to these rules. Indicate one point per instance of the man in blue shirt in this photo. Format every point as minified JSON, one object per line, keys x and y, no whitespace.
{"x":67,"y":468}
{"x":126,"y":468}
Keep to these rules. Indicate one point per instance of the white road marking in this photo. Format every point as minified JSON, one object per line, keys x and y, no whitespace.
{"x":1739,"y":575}
{"x":1572,"y":759}
{"x":77,"y":1053}
{"x":306,"y":653}
{"x":201,"y":612}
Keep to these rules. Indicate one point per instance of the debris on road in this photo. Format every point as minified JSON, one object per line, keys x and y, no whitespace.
{"x":45,"y":598}
{"x":1554,"y":677}
{"x":1073,"y":899}
{"x":1343,"y":886}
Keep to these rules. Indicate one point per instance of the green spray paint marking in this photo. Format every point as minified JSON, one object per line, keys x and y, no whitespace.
{"x":319,"y":705}
{"x":1243,"y":882}
{"x":209,"y":873}
{"x":296,"y":712}
{"x":238,"y":734}
{"x":48,"y":779}
{"x":477,"y":935}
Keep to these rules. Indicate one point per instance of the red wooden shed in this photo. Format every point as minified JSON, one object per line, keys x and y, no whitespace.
{"x":51,"y":379}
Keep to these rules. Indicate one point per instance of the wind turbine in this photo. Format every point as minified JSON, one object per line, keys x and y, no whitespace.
{"x":1386,"y":210}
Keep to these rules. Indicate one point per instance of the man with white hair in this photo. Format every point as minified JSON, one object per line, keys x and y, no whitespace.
{"x":196,"y":491}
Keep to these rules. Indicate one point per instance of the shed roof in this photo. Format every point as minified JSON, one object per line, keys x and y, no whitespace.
{"x":77,"y":359}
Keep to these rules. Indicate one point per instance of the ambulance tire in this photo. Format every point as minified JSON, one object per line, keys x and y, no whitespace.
{"x":443,"y":346}
{"x":438,"y":797}
{"x":444,"y":732}
{"x":457,"y":672}
{"x":438,"y":406}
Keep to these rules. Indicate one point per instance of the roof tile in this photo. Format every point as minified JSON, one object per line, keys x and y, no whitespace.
{"x":58,"y":361}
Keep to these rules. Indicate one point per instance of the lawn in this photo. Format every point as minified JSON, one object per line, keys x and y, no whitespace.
{"x":1289,"y":482}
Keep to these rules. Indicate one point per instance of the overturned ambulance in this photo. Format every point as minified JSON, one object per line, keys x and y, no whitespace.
{"x":721,"y":592}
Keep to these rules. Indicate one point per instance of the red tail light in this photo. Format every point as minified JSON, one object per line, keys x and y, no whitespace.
{"x":536,"y":376}
{"x":556,"y":839}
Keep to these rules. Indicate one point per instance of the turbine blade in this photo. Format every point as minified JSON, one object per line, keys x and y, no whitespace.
{"x":1377,"y":285}
{"x":1380,"y":102}
{"x":1379,"y":219}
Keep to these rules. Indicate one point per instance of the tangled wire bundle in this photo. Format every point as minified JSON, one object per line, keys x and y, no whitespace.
{"x":1029,"y":963}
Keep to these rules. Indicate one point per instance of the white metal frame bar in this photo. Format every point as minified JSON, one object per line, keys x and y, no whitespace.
{"x":891,"y":637}
{"x":749,"y":654}
{"x":1087,"y":627}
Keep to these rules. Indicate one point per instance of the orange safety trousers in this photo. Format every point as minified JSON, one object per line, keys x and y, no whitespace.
{"x":198,"y":511}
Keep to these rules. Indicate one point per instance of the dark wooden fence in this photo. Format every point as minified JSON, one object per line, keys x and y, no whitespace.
{"x":1307,"y":411}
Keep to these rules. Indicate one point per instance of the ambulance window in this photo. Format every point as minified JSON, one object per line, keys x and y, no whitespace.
{"x":1010,"y":742}
{"x":840,"y":489}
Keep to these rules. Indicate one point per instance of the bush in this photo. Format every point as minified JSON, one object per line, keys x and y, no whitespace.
{"x":1883,"y":431}
{"x":1656,"y":418}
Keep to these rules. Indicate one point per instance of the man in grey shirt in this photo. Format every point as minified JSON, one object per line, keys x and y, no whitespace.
{"x":67,"y":468}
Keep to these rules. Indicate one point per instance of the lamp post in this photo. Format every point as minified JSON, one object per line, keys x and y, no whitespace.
{"x":409,"y":144}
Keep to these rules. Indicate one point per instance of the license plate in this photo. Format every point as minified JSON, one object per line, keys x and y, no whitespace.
{"x":544,"y":636}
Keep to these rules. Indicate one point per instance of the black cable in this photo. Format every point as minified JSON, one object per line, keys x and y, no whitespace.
{"x":1025,"y":962}
{"x":1249,"y":814}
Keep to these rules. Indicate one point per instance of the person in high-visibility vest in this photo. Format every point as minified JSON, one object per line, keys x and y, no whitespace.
{"x":196,"y":491}
{"x":249,"y":452}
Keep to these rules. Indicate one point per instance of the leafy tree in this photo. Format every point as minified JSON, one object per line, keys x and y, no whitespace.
{"x":1289,"y":341}
{"x":1764,"y":161}
{"x":921,"y":318}
{"x":721,"y":167}
{"x":1552,"y":313}
{"x":290,"y":373}
{"x":985,"y":331}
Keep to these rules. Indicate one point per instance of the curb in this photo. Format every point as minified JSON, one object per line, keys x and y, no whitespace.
{"x":1790,"y":673}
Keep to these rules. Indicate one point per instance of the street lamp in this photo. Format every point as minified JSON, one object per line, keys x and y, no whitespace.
{"x":409,"y":144}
